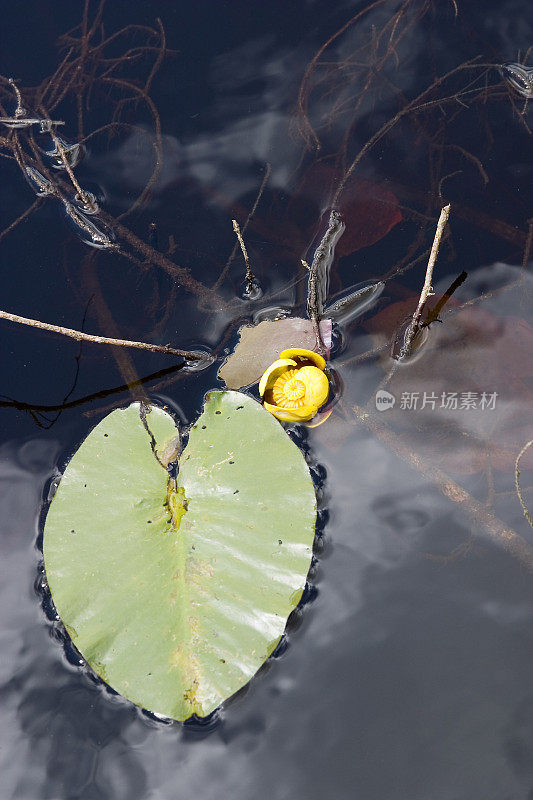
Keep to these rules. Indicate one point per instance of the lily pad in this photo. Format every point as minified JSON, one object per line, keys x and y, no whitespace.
{"x":175,"y":592}
{"x":260,"y":346}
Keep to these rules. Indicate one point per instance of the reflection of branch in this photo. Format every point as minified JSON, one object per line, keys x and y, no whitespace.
{"x":419,"y":103}
{"x":415,"y":324}
{"x":433,"y":315}
{"x":525,"y":509}
{"x":497,"y":530}
{"x":21,"y":405}
{"x":19,"y":219}
{"x":87,"y":337}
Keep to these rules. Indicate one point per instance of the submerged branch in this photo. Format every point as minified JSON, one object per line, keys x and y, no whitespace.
{"x":319,"y":273}
{"x":497,"y":530}
{"x":87,"y":337}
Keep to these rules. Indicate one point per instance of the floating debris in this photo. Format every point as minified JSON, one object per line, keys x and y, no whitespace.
{"x":87,"y":230}
{"x":520,"y":78}
{"x":41,"y":185}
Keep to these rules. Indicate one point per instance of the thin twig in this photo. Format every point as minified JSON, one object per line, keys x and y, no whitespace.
{"x":20,"y":110}
{"x":86,"y":199}
{"x":18,"y":121}
{"x":415,"y":324}
{"x":19,"y":219}
{"x":266,"y":176}
{"x":525,"y":509}
{"x":250,"y":277}
{"x":87,"y":337}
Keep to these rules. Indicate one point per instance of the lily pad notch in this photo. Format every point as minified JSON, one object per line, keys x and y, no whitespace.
{"x":176,"y":591}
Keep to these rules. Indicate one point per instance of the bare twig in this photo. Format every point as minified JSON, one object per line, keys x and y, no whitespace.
{"x":85,"y":198}
{"x":87,"y":337}
{"x":250,"y":277}
{"x":20,"y":110}
{"x":415,"y":324}
{"x":266,"y":176}
{"x":525,"y":509}
{"x":18,"y":121}
{"x":41,"y":408}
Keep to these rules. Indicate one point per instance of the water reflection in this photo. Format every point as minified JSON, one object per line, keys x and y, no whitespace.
{"x":409,"y":677}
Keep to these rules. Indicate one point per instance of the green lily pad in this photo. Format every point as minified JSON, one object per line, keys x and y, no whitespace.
{"x":175,"y":592}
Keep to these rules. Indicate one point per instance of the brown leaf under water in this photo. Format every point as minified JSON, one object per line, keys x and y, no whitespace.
{"x":368,"y":209}
{"x":260,"y":346}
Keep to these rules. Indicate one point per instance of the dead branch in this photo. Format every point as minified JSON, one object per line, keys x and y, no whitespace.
{"x":497,"y":530}
{"x":249,"y":277}
{"x":319,"y":274}
{"x":268,"y":169}
{"x":87,"y":337}
{"x":415,"y":324}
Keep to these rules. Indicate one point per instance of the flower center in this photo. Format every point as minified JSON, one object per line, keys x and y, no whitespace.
{"x":288,"y":391}
{"x":294,"y":389}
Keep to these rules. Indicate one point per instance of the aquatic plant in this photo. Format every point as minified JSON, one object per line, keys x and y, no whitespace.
{"x":295,"y":386}
{"x":176,"y":590}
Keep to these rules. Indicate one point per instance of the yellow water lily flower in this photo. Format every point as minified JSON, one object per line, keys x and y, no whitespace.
{"x":295,"y":386}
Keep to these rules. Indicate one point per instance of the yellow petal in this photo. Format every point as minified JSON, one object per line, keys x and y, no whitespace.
{"x":316,"y":386}
{"x":291,"y":414}
{"x":299,"y":352}
{"x":273,"y":372}
{"x":320,"y":418}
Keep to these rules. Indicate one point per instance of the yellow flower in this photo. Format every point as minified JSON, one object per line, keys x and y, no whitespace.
{"x":295,"y":386}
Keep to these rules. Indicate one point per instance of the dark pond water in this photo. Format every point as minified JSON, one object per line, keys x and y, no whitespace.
{"x":408,"y":676}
